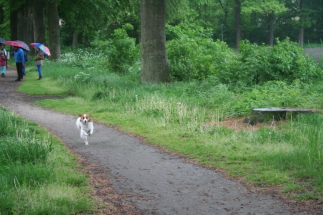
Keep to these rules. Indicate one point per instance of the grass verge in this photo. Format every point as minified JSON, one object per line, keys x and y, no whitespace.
{"x":38,"y":175}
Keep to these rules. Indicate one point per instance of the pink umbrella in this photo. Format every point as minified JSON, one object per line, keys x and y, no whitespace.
{"x":13,"y":43}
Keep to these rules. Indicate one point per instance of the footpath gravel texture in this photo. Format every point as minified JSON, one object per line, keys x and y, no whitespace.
{"x":131,"y":177}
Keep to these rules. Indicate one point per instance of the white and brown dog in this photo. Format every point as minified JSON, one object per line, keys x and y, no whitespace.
{"x":85,"y":125}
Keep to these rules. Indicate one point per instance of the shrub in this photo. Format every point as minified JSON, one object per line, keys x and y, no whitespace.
{"x":193,"y":55}
{"x":121,"y":50}
{"x":286,"y":61}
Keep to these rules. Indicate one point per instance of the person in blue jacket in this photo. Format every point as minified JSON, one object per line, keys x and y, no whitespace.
{"x":20,"y":61}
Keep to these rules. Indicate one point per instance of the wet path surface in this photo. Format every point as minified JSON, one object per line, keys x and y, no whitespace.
{"x":152,"y":181}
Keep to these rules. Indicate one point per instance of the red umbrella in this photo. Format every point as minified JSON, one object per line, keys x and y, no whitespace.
{"x":13,"y":43}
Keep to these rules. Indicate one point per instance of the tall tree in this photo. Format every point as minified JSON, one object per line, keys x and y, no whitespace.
{"x":39,"y":21}
{"x":154,"y":62}
{"x":238,"y":22}
{"x":15,"y":19}
{"x":24,"y":24}
{"x":53,"y":29}
{"x":267,"y":11}
{"x":302,"y":25}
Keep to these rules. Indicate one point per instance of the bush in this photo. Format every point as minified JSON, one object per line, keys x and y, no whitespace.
{"x":121,"y":50}
{"x":286,"y":61}
{"x":193,"y":55}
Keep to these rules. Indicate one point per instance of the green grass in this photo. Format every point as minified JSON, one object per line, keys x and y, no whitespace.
{"x":38,"y":175}
{"x":185,"y":118}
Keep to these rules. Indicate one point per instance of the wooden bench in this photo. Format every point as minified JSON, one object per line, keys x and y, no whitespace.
{"x":273,"y":113}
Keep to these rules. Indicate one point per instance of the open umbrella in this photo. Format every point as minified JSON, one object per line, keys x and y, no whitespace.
{"x":42,"y":47}
{"x":24,"y":45}
{"x":2,"y":40}
{"x":13,"y":43}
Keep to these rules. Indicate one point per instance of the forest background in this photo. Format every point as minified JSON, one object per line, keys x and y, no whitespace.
{"x":223,"y":59}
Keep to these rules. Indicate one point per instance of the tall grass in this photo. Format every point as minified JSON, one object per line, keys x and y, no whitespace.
{"x":186,"y":117}
{"x":34,"y":177}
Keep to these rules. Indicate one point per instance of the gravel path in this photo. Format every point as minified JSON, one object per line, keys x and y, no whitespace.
{"x":146,"y":180}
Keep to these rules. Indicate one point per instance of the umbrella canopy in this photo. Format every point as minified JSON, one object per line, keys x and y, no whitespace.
{"x":2,"y":40}
{"x":24,"y":45}
{"x":42,"y":47}
{"x":13,"y":43}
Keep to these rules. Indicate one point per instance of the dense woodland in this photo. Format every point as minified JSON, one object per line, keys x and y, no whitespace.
{"x":61,"y":24}
{"x":83,"y":21}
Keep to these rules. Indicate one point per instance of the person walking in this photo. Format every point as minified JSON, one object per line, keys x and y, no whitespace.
{"x":3,"y":63}
{"x":39,"y":61}
{"x":20,"y":61}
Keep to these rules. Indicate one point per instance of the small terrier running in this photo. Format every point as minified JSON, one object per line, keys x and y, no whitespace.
{"x":85,"y":125}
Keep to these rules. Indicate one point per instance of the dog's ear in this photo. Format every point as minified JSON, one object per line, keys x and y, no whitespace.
{"x":80,"y":115}
{"x":89,"y":117}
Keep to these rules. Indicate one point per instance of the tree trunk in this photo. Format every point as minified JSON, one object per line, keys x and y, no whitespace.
{"x":238,"y":22}
{"x":301,"y":29}
{"x":24,"y":23}
{"x":85,"y":42}
{"x":271,"y":29}
{"x":39,"y":22}
{"x":53,"y":29}
{"x":75,"y":39}
{"x":13,"y":25}
{"x":28,"y":34}
{"x":154,"y":62}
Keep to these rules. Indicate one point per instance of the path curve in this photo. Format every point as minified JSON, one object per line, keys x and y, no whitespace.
{"x":150,"y":181}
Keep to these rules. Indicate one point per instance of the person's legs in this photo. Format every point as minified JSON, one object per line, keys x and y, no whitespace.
{"x":39,"y":72}
{"x":19,"y":71}
{"x":23,"y":70}
{"x":17,"y":67}
{"x":3,"y":70}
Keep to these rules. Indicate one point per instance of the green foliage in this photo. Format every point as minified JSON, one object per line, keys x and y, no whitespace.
{"x":289,"y":62}
{"x":121,"y":50}
{"x":28,"y":150}
{"x":286,"y":61}
{"x":275,"y":94}
{"x":193,"y":54}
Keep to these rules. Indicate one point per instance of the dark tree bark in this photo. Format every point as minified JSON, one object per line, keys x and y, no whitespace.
{"x":53,"y":29}
{"x":1,"y":14}
{"x":24,"y":22}
{"x":39,"y":21}
{"x":85,"y":42}
{"x":75,"y":39}
{"x":271,"y":28}
{"x":154,"y":62}
{"x":238,"y":22}
{"x":301,"y":29}
{"x":13,"y":25}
